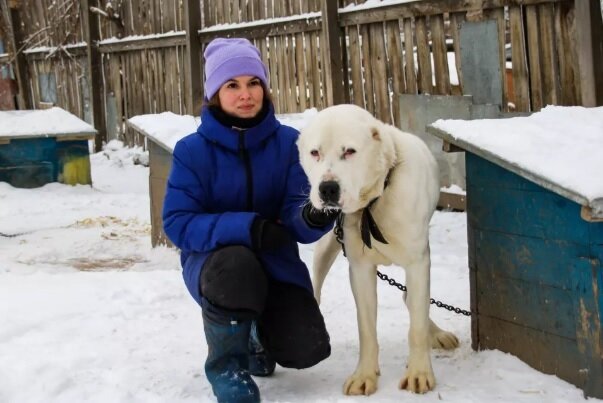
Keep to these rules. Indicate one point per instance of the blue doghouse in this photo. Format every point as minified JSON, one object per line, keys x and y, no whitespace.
{"x":42,"y":146}
{"x":535,"y":235}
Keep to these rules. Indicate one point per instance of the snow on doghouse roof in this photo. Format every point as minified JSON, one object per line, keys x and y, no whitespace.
{"x":559,"y":148}
{"x":167,"y":128}
{"x":51,"y":122}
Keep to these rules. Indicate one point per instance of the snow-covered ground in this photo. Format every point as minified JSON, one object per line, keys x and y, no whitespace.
{"x":90,"y":312}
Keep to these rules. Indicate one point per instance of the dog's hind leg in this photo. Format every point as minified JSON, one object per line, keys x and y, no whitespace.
{"x":325,"y":252}
{"x":440,"y":338}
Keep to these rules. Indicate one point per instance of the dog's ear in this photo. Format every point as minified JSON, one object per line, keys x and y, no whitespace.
{"x":375,"y":134}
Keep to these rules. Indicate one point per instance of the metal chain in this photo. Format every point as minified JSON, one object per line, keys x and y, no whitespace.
{"x":439,"y":304}
{"x":338,"y":231}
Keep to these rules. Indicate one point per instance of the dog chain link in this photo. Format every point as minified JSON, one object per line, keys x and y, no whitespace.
{"x":439,"y":304}
{"x":338,"y":230}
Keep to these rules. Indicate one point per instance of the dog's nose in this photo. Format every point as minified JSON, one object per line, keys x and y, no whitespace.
{"x":329,"y":192}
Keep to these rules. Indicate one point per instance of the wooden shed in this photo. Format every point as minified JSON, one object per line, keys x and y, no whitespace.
{"x":43,"y":146}
{"x":162,"y":131}
{"x":535,"y":237}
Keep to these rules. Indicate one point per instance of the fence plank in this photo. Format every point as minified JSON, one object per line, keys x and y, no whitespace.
{"x":290,"y":77}
{"x":423,"y":56}
{"x":567,"y":51}
{"x":182,"y":95}
{"x":440,"y":55}
{"x":24,"y":100}
{"x":332,"y":53}
{"x":281,"y":73}
{"x":378,"y":65}
{"x":409,"y":56}
{"x":301,"y":72}
{"x":194,"y":91}
{"x":316,"y":72}
{"x":520,"y":69}
{"x":278,"y":10}
{"x":534,"y":57}
{"x":355,"y":58}
{"x":394,"y":57}
{"x":498,"y":14}
{"x":366,"y":65}
{"x":95,"y":77}
{"x":161,"y":79}
{"x":208,"y":14}
{"x":550,"y":69}
{"x":235,"y":11}
{"x":273,"y":66}
{"x":456,"y":21}
{"x":144,"y":89}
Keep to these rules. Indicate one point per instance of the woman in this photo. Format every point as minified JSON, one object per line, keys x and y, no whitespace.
{"x":236,"y":205}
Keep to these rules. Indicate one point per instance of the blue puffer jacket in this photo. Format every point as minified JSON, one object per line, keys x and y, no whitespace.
{"x":221,"y":180}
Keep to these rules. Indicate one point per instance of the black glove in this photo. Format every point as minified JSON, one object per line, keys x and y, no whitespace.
{"x":318,"y":218}
{"x":267,"y":235}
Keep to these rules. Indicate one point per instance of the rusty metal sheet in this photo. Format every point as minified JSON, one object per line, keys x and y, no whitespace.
{"x":418,"y":111}
{"x":480,"y":61}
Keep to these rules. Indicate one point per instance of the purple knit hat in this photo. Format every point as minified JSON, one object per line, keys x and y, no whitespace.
{"x":226,"y":58}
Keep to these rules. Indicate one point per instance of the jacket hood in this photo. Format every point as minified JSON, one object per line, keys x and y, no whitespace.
{"x":228,"y":137}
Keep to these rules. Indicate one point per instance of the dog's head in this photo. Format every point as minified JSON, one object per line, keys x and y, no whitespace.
{"x":346,"y":154}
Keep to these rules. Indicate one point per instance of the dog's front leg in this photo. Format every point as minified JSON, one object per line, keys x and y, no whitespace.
{"x":419,"y":377}
{"x":325,"y":253}
{"x":363,"y":279}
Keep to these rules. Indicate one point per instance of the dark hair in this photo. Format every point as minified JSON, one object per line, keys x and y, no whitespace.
{"x":215,"y":100}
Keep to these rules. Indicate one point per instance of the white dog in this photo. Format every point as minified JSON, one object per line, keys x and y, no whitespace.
{"x":386,"y":183}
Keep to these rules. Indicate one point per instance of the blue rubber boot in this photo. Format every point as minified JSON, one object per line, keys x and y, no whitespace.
{"x":260,"y":363}
{"x":226,"y":366}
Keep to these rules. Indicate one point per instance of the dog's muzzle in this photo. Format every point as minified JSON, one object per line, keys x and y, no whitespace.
{"x":329,"y":193}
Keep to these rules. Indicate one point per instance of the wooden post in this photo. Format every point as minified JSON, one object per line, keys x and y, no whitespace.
{"x":192,"y":20}
{"x":95,"y":74}
{"x":333,"y":54}
{"x":589,"y":38}
{"x":16,"y":38}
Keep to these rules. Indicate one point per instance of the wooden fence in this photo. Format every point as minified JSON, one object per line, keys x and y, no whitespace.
{"x":318,"y":52}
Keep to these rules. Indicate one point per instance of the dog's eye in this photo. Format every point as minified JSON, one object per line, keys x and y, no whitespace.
{"x":348,"y":152}
{"x":314,"y":153}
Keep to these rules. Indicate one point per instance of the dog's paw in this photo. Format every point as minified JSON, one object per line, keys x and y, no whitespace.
{"x":360,"y":384}
{"x":418,"y":382}
{"x":444,"y":340}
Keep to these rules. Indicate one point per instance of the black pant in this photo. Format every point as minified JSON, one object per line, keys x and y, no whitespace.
{"x":290,"y":325}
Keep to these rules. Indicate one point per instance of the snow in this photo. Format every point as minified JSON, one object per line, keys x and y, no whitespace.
{"x":50,"y":49}
{"x":373,"y":4}
{"x":136,"y":38}
{"x":561,"y":145}
{"x":454,"y":189}
{"x":165,"y":128}
{"x":42,"y":123}
{"x":262,"y":22}
{"x":90,"y":312}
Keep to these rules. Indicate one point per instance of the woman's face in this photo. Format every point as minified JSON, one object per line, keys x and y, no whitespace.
{"x":242,"y":96}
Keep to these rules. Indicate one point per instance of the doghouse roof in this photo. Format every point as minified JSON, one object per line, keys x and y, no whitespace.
{"x":53,"y":122}
{"x":560,"y":148}
{"x":165,"y":128}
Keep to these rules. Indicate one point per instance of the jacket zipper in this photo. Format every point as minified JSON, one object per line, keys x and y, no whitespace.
{"x":244,"y":155}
